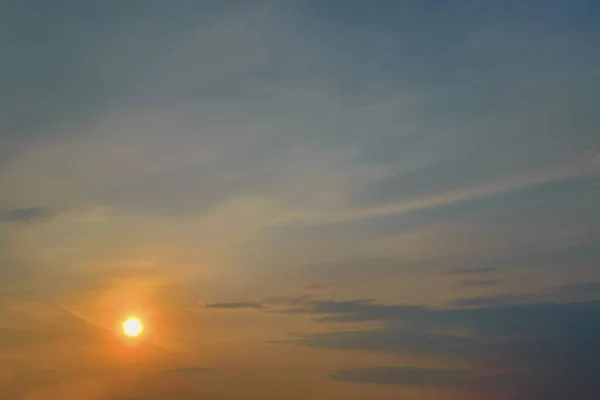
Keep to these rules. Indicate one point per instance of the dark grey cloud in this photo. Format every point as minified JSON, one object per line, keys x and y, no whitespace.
{"x":274,"y":305}
{"x":530,"y":316}
{"x":577,"y":256}
{"x":488,"y":301}
{"x":506,"y":383}
{"x":398,"y":341}
{"x":234,"y":305}
{"x":478,"y":282}
{"x":29,"y":214}
{"x":423,"y":377}
{"x":473,"y":271}
{"x":557,"y":343}
{"x":581,"y":289}
{"x":568,"y":292}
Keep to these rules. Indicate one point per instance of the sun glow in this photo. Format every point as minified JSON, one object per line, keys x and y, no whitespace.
{"x":132,"y":327}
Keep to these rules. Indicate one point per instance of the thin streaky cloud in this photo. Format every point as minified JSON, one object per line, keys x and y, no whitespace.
{"x":489,"y":189}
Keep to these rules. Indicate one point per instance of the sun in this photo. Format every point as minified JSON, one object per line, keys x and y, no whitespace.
{"x":132,"y":327}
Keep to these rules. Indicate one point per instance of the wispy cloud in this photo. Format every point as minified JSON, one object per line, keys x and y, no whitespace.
{"x":486,"y":189}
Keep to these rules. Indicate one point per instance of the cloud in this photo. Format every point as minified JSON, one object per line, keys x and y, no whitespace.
{"x":452,"y":196}
{"x":422,"y":377}
{"x":473,"y":271}
{"x":489,"y":301}
{"x":554,"y":341}
{"x":27,"y":215}
{"x":279,"y":304}
{"x":478,"y":282}
{"x":233,"y":305}
{"x":565,"y":292}
{"x":581,"y":289}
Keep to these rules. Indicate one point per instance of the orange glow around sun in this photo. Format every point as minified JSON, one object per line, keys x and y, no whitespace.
{"x":132,"y":327}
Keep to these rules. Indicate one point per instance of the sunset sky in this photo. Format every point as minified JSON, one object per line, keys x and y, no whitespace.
{"x":303,"y":200}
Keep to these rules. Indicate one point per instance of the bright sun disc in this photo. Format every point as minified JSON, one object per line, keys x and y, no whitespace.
{"x":132,"y":327}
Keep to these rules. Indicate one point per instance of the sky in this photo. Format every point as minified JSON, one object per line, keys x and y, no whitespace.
{"x":304,"y":200}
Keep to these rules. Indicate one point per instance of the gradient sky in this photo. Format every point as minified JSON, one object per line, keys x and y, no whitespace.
{"x":301,"y":199}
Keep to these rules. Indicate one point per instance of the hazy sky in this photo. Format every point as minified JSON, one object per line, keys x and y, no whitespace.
{"x":317,"y":199}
